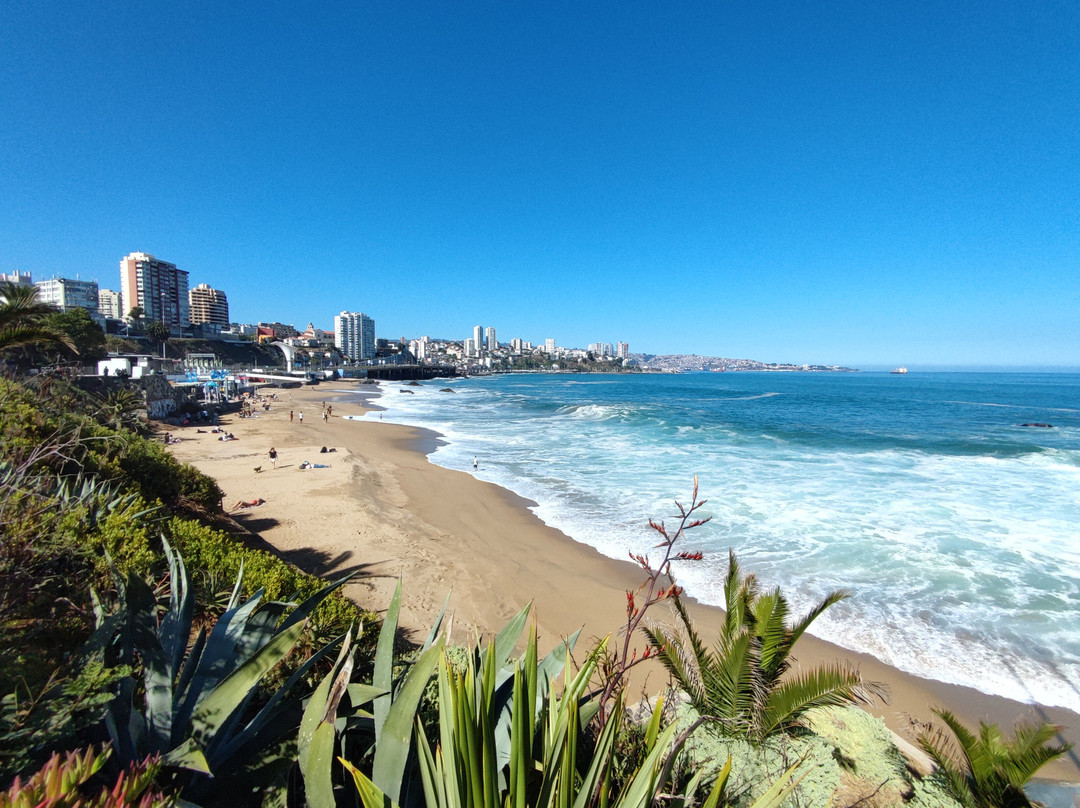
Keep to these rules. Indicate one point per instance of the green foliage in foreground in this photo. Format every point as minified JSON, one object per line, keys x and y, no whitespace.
{"x":197,"y":704}
{"x":745,"y":681}
{"x":75,"y":496}
{"x":989,"y":770}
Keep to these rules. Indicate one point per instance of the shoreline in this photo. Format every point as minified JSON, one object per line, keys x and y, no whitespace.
{"x":384,"y":508}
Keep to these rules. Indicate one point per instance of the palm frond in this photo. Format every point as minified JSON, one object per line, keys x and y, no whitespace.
{"x":990,"y":769}
{"x":770,"y":613}
{"x":829,"y":600}
{"x":679,"y":662}
{"x":833,"y":686}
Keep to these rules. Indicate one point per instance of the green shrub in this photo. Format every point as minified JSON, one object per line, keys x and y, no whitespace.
{"x":218,"y":557}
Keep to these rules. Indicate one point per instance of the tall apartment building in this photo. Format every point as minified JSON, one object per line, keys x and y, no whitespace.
{"x":354,"y":335}
{"x":209,"y":306}
{"x":110,"y":304}
{"x":489,"y":335}
{"x":549,"y":346}
{"x":515,"y":345}
{"x":623,"y":350}
{"x":478,"y":337}
{"x":67,"y":294}
{"x":418,"y":348}
{"x":159,"y":288}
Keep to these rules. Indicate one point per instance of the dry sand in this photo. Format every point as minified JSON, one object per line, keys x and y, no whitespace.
{"x":382,"y":508}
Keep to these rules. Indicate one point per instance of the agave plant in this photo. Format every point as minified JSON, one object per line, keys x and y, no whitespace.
{"x":196,"y":694}
{"x":120,"y":408}
{"x":990,"y":770}
{"x":382,"y":734}
{"x":745,"y":680}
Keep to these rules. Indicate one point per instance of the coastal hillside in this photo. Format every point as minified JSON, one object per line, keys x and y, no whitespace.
{"x":696,"y":362}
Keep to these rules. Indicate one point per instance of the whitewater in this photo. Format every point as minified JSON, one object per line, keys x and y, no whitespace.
{"x":953,"y":525}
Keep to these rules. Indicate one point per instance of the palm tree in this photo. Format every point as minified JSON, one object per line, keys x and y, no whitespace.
{"x":990,"y":771}
{"x":745,"y":680}
{"x":159,"y":332}
{"x":22,"y":318}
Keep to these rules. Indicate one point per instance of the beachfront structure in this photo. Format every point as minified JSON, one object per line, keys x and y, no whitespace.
{"x":208,"y":306}
{"x":159,"y":288}
{"x":17,"y":278}
{"x":110,"y":304}
{"x":489,"y":335}
{"x":478,"y":338}
{"x":67,"y":294}
{"x":354,"y":335}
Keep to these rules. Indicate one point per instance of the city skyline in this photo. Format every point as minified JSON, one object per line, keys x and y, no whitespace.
{"x":839,"y":184}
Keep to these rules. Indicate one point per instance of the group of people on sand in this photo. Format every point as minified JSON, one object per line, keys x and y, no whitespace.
{"x":307,"y":464}
{"x":248,"y":411}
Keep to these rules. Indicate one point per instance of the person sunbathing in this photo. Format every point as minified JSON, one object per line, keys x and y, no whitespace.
{"x":248,"y":503}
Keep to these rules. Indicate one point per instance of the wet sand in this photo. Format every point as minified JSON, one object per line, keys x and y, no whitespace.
{"x":382,"y":508}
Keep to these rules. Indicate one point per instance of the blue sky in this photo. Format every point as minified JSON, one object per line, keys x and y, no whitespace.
{"x":851,"y":183}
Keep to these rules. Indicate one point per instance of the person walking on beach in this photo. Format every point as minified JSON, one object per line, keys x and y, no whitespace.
{"x":290,"y":416}
{"x":475,"y":464}
{"x":273,"y":457}
{"x":300,"y":415}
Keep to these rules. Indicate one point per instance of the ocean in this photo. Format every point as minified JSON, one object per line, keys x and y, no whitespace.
{"x":956,"y":529}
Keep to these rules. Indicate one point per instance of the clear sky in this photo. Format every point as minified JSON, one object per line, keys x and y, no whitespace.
{"x":869,"y":184}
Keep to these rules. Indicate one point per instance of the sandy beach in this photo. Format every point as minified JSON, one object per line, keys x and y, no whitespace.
{"x":382,"y":508}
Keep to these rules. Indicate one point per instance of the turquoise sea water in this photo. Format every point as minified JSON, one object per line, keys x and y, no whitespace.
{"x":957,"y":529}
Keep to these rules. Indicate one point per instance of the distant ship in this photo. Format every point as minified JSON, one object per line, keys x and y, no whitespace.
{"x":899,"y":371}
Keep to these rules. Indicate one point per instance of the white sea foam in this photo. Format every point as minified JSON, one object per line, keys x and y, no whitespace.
{"x":963,"y":559}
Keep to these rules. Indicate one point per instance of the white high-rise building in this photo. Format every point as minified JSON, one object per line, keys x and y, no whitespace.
{"x":159,"y":288}
{"x":110,"y":304}
{"x":354,"y":335}
{"x":478,"y":336}
{"x":418,"y":348}
{"x":470,"y":347}
{"x":67,"y":294}
{"x":515,"y":345}
{"x":623,"y":350}
{"x":489,"y":335}
{"x":549,"y":346}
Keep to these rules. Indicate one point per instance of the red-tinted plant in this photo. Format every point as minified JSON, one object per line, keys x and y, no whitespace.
{"x":659,"y":585}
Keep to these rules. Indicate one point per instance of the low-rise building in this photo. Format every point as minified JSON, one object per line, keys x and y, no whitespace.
{"x":70,"y":293}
